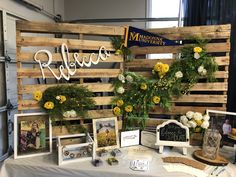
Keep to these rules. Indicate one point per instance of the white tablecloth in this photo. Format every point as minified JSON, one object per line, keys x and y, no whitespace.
{"x":46,"y":166}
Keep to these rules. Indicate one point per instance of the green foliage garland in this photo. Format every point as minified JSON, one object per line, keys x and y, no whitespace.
{"x":135,"y":94}
{"x":67,"y":98}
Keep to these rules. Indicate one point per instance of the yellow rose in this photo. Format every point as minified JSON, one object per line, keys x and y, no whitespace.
{"x":199,"y":122}
{"x":156,"y":99}
{"x":165,"y":68}
{"x":119,"y":102}
{"x":37,"y":95}
{"x":49,"y":105}
{"x":158,"y":66}
{"x":197,"y":129}
{"x":62,"y":99}
{"x":117,"y":111}
{"x":129,"y":108}
{"x":143,"y":86}
{"x":197,"y":49}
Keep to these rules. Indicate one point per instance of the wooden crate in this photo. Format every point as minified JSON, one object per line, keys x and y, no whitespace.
{"x":203,"y":95}
{"x":85,"y":39}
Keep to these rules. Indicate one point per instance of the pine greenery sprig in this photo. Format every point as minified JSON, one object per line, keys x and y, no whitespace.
{"x":118,"y":44}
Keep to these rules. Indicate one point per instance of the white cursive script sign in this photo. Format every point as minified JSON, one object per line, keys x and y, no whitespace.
{"x":70,"y":66}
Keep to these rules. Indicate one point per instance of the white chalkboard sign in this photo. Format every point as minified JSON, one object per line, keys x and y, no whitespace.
{"x":172,"y":133}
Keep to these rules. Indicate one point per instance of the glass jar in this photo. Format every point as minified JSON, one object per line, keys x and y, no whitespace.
{"x":211,"y":144}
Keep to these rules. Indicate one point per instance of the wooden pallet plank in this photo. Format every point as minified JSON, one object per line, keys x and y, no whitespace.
{"x":183,"y":109}
{"x":94,"y":87}
{"x":192,"y":29}
{"x":32,"y":104}
{"x":201,"y":99}
{"x":18,"y":67}
{"x":80,"y":73}
{"x":149,"y":63}
{"x":95,"y":114}
{"x":218,"y":74}
{"x":215,"y":86}
{"x":210,"y":47}
{"x":57,"y":57}
{"x":25,"y":41}
{"x":68,"y":28}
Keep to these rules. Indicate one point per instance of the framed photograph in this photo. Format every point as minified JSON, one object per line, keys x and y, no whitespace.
{"x":75,"y":148}
{"x":32,"y":135}
{"x":105,"y":132}
{"x":225,"y":123}
{"x":129,"y":138}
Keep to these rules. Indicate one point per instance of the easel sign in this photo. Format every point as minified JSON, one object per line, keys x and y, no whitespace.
{"x":172,"y":133}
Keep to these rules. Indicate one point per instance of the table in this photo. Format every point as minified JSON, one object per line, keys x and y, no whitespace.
{"x":233,"y":139}
{"x":46,"y":166}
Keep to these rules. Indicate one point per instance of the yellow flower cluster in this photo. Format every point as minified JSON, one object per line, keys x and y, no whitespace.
{"x":197,"y":49}
{"x":161,"y":69}
{"x":37,"y":95}
{"x":119,"y":103}
{"x":129,"y":108}
{"x":143,"y":86}
{"x":61,"y":98}
{"x":117,"y":111}
{"x":156,"y":99}
{"x":49,"y":105}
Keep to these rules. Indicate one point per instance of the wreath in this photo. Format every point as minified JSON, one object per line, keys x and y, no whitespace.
{"x":65,"y":101}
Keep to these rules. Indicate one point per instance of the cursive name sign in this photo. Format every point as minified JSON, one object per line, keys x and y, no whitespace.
{"x":68,"y":67}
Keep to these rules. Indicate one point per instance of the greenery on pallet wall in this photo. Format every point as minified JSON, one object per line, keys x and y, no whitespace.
{"x":65,"y":101}
{"x":135,"y":95}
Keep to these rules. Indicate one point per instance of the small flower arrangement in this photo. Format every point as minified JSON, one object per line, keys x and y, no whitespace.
{"x":195,"y":121}
{"x":65,"y":101}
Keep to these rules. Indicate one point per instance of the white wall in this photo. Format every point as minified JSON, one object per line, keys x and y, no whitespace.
{"x":98,"y":9}
{"x":51,"y":6}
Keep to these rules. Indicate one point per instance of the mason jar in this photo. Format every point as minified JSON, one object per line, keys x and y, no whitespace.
{"x":211,"y":144}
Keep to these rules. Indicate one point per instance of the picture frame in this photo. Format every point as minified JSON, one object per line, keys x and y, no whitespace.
{"x":218,"y":124}
{"x":129,"y":138}
{"x":105,"y":131}
{"x":75,"y":148}
{"x":32,"y":135}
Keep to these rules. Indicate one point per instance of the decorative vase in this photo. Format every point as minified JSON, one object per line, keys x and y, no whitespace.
{"x":211,"y":144}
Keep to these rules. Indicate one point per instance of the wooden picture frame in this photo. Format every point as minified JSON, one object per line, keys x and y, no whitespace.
{"x":32,"y":135}
{"x":105,"y":131}
{"x":75,"y":148}
{"x":129,"y":138}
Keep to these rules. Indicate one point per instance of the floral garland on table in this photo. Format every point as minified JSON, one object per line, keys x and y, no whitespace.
{"x":65,"y":101}
{"x":135,"y":94}
{"x":195,"y":121}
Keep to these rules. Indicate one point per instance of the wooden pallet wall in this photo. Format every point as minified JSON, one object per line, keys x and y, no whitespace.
{"x":203,"y":95}
{"x":31,"y":35}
